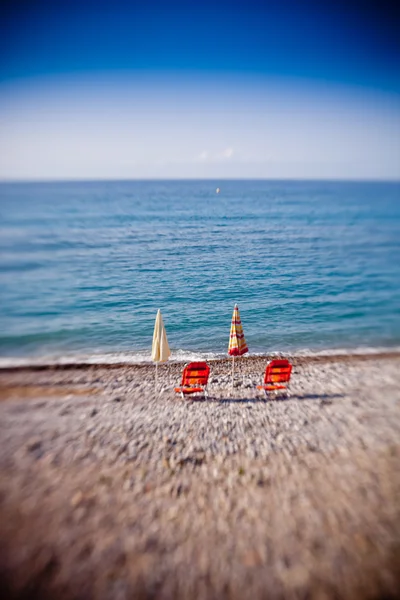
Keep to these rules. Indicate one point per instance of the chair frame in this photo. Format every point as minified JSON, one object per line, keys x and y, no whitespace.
{"x":194,"y":384}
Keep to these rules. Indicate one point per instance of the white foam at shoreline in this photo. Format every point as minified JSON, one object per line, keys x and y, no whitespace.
{"x":143,"y":357}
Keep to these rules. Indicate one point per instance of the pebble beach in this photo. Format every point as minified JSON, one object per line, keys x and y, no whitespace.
{"x":110,"y":488}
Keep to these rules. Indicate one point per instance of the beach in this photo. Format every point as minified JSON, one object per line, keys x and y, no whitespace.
{"x":199,"y":182}
{"x":112,"y":489}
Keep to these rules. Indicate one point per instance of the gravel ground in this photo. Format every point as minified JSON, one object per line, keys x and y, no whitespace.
{"x":111,"y":490}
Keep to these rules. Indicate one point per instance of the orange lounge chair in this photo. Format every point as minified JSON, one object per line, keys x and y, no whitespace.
{"x":277,"y":376}
{"x":194,"y":379}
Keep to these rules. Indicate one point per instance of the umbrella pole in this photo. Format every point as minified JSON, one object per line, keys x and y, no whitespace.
{"x":156,"y":382}
{"x":233,"y":368}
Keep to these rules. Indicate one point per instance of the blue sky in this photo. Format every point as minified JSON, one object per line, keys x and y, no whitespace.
{"x":211,"y":89}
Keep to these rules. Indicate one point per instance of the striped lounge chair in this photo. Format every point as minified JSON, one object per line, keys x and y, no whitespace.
{"x":194,"y":379}
{"x":277,"y":377}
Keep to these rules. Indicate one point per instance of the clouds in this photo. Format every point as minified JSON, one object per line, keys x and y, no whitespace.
{"x":199,"y":127}
{"x":206,"y":156}
{"x":203,"y":156}
{"x":227,"y":153}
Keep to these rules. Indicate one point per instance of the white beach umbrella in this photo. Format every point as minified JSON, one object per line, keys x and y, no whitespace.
{"x":160,"y":351}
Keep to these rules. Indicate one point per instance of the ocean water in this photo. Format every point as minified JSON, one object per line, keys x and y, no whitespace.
{"x":314,"y":266}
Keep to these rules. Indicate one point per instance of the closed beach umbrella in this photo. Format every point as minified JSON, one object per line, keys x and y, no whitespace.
{"x":237,"y":343}
{"x":160,"y":351}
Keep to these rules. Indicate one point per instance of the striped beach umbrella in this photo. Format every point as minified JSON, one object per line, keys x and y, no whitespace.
{"x":160,"y":351}
{"x":237,"y":343}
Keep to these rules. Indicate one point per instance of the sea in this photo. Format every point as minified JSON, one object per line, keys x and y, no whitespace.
{"x":314,"y":267}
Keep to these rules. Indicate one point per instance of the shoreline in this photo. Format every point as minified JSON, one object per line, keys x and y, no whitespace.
{"x":295,"y":358}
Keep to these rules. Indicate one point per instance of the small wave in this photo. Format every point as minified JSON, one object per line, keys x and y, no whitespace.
{"x":180,"y":355}
{"x":110,"y":358}
{"x":358,"y":351}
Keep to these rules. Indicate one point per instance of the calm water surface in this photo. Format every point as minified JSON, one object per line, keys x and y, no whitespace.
{"x":85,"y":266}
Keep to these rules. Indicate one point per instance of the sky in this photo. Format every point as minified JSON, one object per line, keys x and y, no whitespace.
{"x":133,"y":90}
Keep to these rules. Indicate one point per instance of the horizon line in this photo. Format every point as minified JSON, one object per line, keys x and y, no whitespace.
{"x":213,"y":179}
